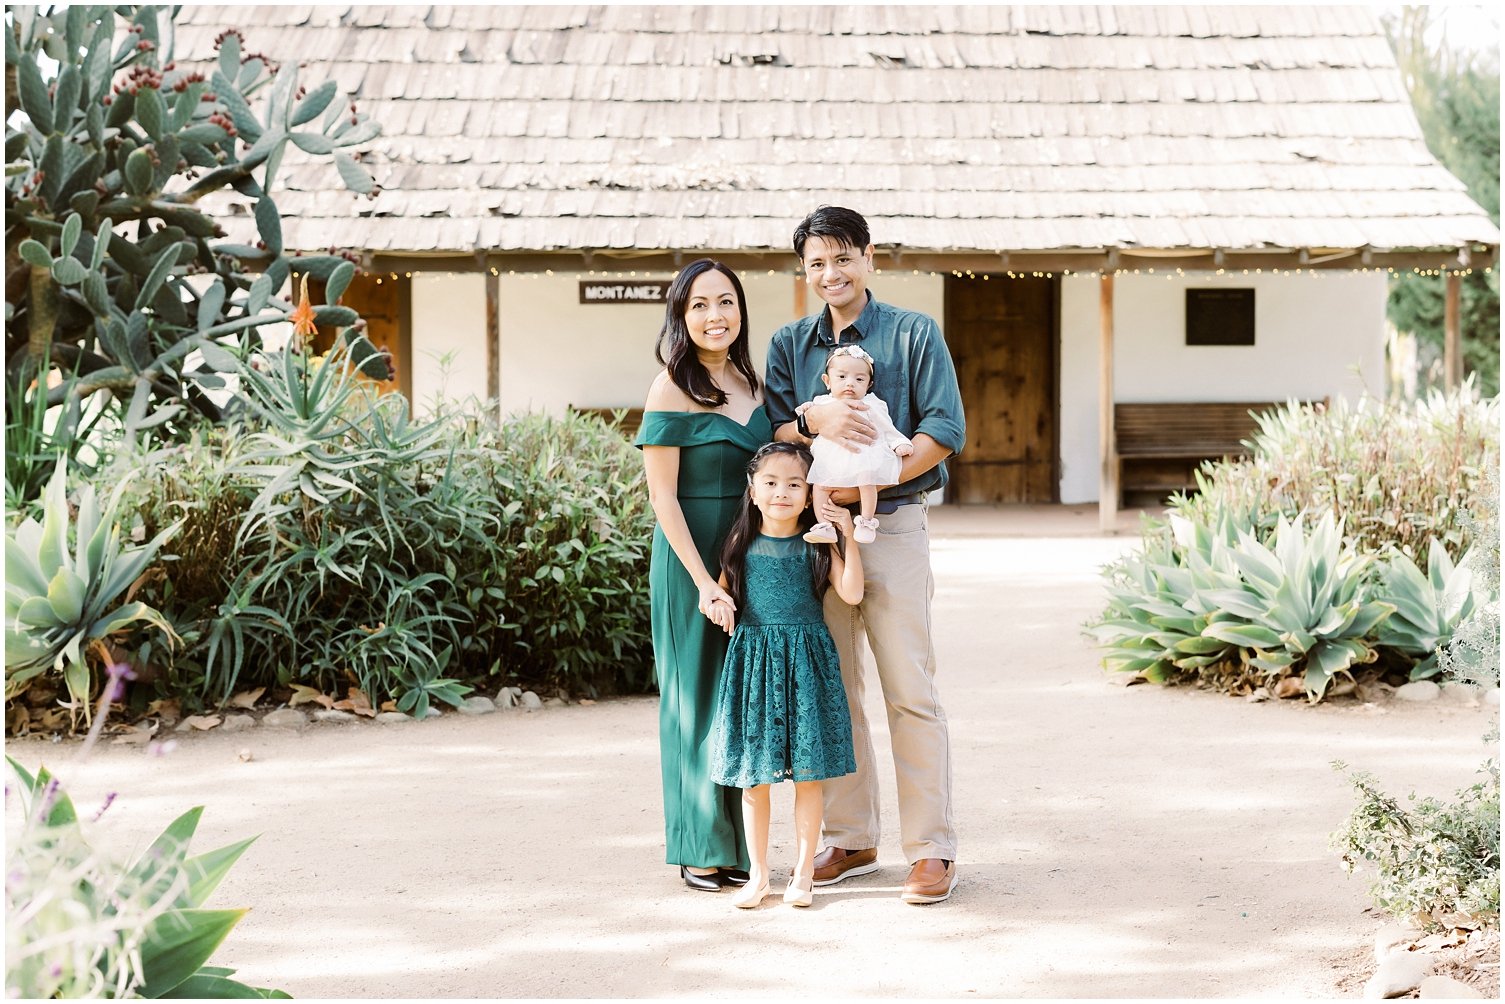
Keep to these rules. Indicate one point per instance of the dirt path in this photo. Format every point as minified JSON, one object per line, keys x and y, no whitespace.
{"x":1116,"y":842}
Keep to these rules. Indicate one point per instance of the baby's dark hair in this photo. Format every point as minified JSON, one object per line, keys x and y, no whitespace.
{"x":749,"y":523}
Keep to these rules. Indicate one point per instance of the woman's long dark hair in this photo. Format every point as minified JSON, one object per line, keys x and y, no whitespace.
{"x":676,"y":351}
{"x":749,"y":523}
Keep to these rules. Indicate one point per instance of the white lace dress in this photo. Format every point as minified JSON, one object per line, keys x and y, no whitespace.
{"x":838,"y":467}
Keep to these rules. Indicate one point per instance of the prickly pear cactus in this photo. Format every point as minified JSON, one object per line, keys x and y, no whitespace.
{"x":121,"y":293}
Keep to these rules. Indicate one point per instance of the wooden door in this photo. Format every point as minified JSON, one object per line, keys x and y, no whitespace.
{"x":382,"y":302}
{"x":1002,"y":336}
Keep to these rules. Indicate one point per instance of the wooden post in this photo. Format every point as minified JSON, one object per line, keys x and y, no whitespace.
{"x":1452,"y":337}
{"x":493,"y":341}
{"x":1107,"y":487}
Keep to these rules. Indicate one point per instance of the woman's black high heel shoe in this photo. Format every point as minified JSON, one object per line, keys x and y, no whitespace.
{"x":700,"y":883}
{"x":733,"y":876}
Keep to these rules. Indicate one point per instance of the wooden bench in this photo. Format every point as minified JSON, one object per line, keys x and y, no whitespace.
{"x":632,"y":418}
{"x":1160,"y":445}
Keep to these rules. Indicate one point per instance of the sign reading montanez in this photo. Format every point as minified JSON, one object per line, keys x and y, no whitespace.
{"x":622,"y":292}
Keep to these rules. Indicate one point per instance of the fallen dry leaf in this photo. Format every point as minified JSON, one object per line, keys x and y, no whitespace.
{"x":135,"y":736}
{"x":167,"y":708}
{"x":389,"y":705}
{"x":308,"y":695}
{"x":586,"y":701}
{"x":247,"y":698}
{"x":202,"y":722}
{"x":357,"y":702}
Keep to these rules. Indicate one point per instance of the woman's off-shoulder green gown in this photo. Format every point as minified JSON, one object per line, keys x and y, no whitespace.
{"x":702,"y":820}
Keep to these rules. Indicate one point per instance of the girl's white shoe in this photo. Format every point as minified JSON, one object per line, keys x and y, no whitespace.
{"x":866,"y":531}
{"x":795,"y":896}
{"x":750,"y":896}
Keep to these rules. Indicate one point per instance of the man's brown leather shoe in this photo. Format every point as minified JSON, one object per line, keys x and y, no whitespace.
{"x":930,"y":881}
{"x":836,"y":863}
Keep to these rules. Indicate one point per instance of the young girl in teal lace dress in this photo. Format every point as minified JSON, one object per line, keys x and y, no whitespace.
{"x":781,"y":712}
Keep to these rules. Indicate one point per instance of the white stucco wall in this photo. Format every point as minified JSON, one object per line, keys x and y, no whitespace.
{"x":449,"y":338}
{"x":1316,"y":336}
{"x":556,"y":351}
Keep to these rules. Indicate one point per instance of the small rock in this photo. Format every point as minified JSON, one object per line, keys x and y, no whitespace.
{"x":1399,"y":974}
{"x":245,"y":756}
{"x":1462,"y":693}
{"x":1341,"y":687}
{"x":530,"y":701}
{"x":509,"y":697}
{"x":1419,"y":690}
{"x":1393,"y":936}
{"x":1260,"y":694}
{"x":432,"y":712}
{"x":554,"y":702}
{"x":333,"y":715}
{"x":1289,"y":687}
{"x":391,"y":717}
{"x":1445,"y":987}
{"x":286,"y":718}
{"x":238,"y":723}
{"x":477,"y":705}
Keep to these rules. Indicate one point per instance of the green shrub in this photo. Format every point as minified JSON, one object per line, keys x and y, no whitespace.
{"x":332,"y":541}
{"x":1436,"y":865}
{"x":1473,"y":655}
{"x":81,"y":924}
{"x":1398,"y":474}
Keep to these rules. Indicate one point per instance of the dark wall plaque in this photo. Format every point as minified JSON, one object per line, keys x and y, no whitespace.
{"x":622,"y":292}
{"x":1220,"y":317}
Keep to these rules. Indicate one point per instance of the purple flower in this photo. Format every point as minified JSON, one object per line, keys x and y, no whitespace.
{"x":118,"y":673}
{"x":108,"y":800}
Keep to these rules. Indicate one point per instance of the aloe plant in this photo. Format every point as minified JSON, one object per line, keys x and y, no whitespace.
{"x":79,"y":923}
{"x":62,"y":599}
{"x":121,"y":293}
{"x":1430,"y":607}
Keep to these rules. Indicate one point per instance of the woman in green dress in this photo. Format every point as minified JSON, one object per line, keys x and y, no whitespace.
{"x":702,"y":422}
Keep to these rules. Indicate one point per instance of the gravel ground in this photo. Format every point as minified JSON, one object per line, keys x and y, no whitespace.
{"x":1115,"y":841}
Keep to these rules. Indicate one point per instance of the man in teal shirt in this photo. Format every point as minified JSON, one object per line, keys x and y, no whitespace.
{"x":915,"y":377}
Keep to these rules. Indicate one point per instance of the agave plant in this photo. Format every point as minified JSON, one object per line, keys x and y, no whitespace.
{"x":81,"y":924}
{"x":1429,"y":607}
{"x":1302,"y":607}
{"x":61,"y":599}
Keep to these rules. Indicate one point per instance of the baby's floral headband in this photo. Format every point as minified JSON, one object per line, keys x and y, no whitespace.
{"x":855,"y":351}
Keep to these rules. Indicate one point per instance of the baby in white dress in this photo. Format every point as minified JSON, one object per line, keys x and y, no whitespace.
{"x":849,"y":377}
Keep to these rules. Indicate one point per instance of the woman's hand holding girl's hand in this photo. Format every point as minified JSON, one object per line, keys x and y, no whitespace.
{"x":712,"y":591}
{"x":721,"y":615}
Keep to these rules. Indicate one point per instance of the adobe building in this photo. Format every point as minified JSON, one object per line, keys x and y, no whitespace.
{"x":1103,"y":206}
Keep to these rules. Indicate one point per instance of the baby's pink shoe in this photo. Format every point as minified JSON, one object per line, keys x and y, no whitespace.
{"x":867,"y":530}
{"x":821,"y":533}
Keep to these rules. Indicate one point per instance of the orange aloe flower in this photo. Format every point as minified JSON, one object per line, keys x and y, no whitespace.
{"x":303,"y":316}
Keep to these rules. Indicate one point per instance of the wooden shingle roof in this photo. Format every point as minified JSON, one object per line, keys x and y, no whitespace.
{"x":996,"y":129}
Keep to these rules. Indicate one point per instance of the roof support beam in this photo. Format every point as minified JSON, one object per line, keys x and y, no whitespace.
{"x":1452,"y":335}
{"x":1107,"y":440}
{"x":658,"y":262}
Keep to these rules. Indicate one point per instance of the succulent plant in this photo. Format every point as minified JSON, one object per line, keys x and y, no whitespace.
{"x":121,"y":291}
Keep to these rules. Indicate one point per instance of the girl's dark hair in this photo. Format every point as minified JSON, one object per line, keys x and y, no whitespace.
{"x":749,"y":523}
{"x":832,"y":222}
{"x":676,"y":352}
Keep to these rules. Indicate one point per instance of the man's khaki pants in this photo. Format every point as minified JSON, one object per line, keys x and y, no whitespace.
{"x":895,"y":616}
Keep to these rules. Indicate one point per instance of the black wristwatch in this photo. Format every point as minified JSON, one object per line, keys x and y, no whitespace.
{"x":803,"y":426}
